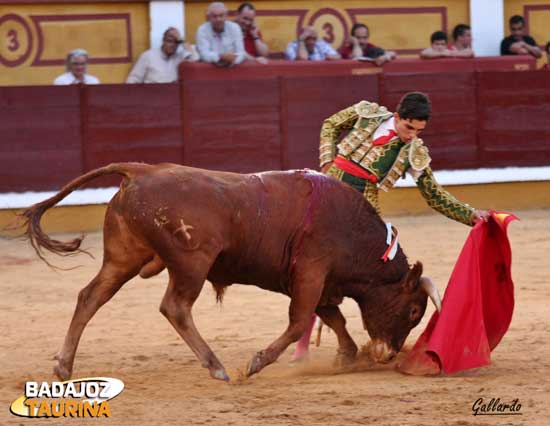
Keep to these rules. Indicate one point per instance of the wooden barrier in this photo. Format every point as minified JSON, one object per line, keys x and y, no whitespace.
{"x":131,"y":123}
{"x":514,"y":118}
{"x":232,"y":124}
{"x":451,"y":132}
{"x":309,"y":101}
{"x":255,"y":117}
{"x":41,"y":137}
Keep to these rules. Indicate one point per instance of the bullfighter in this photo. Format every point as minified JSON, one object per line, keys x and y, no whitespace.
{"x":381,"y":147}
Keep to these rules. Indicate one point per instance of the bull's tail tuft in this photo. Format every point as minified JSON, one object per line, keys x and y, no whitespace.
{"x":39,"y":240}
{"x":220,"y":291}
{"x":32,"y":216}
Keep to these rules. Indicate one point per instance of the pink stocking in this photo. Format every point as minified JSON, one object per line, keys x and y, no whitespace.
{"x":302,"y":346}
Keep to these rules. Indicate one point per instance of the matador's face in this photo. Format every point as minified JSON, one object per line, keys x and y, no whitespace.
{"x":408,"y":128}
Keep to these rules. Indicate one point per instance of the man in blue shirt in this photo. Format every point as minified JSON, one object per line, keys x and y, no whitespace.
{"x":308,"y":47}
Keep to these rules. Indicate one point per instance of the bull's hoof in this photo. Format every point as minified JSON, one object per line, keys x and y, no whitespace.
{"x":62,"y":372}
{"x":344,"y":359}
{"x":219,"y":374}
{"x":255,"y":364}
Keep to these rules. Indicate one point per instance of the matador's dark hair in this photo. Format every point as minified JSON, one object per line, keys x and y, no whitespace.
{"x":415,"y":106}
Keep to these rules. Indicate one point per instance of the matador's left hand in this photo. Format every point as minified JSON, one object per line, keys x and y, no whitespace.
{"x":478,"y":215}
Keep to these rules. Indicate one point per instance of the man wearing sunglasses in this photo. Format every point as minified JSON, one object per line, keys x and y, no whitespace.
{"x":160,"y":65}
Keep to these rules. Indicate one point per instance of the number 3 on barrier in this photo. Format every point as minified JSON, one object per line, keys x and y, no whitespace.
{"x":13,"y":43}
{"x":332,"y":26}
{"x":16,"y":40}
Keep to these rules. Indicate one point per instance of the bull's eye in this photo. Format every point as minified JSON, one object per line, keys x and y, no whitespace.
{"x":414,"y":314}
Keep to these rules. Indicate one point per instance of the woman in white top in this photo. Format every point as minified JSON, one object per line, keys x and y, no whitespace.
{"x":76,"y":63}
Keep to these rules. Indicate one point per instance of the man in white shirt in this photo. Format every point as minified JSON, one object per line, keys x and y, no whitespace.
{"x":160,"y":65}
{"x":76,"y":64}
{"x":220,"y":41}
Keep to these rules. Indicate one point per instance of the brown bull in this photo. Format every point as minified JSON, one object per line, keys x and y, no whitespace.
{"x":299,"y":233}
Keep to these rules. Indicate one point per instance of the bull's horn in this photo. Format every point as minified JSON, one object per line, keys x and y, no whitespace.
{"x":431,"y":290}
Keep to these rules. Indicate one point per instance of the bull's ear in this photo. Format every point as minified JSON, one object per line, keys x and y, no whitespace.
{"x":413,"y":277}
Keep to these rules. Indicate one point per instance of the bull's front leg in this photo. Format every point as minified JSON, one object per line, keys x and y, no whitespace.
{"x":347,"y":349}
{"x":307,"y":287}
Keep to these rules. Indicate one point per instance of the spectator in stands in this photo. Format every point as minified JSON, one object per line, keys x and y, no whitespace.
{"x":219,"y":41}
{"x":462,"y":40}
{"x":308,"y":47}
{"x":76,"y":64}
{"x":254,"y":46}
{"x":519,"y":43}
{"x":440,"y":48}
{"x":546,"y":66}
{"x":160,"y":65}
{"x":358,"y":47}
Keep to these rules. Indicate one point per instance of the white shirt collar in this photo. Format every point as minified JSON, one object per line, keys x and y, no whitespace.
{"x":385,"y":128}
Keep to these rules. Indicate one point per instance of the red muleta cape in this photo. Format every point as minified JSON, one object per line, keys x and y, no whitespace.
{"x":477,"y":307}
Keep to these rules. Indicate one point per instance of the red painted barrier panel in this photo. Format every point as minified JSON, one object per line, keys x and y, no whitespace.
{"x":231,"y":125}
{"x":225,"y":127}
{"x":307,"y":102}
{"x":506,"y":63}
{"x":276,"y":68}
{"x":130,"y":122}
{"x":429,"y":65}
{"x":451,"y":132}
{"x":514,"y":118}
{"x":259,"y":117}
{"x":491,"y":63}
{"x":40,"y":137}
{"x":139,"y":122}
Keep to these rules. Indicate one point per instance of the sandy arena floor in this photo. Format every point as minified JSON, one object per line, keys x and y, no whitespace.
{"x":165,"y":385}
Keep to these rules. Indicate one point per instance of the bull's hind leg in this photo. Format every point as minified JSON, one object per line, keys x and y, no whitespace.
{"x":123,"y":258}
{"x":187,"y":277}
{"x":347,"y":349}
{"x":307,"y":287}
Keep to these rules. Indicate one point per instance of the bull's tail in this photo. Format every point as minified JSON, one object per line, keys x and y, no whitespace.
{"x":32,"y":216}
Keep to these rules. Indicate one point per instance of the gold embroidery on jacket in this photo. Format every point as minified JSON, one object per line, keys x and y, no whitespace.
{"x":331,"y":129}
{"x":442,"y":201}
{"x":356,"y":138}
{"x":397,"y":169}
{"x":371,"y":195}
{"x":419,"y":156}
{"x":364,"y":117}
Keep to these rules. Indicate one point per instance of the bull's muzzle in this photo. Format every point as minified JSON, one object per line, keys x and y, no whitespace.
{"x":380,"y":351}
